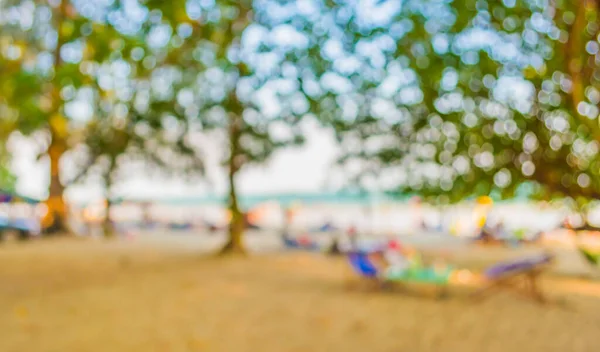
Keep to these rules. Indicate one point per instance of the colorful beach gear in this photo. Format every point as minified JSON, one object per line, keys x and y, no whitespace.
{"x":362,"y":265}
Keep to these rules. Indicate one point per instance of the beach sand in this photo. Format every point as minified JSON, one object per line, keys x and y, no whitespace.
{"x":85,"y":295}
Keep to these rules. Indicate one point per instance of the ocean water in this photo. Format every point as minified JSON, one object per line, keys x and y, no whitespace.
{"x":284,"y":199}
{"x":377,"y":218}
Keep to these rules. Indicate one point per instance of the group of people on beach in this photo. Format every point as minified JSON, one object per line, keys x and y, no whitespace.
{"x":392,"y":259}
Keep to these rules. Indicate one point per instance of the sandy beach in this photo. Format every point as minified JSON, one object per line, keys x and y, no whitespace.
{"x":162,"y":294}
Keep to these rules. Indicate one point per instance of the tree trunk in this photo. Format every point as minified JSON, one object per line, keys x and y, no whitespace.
{"x":576,"y":61}
{"x":237,"y":224}
{"x":107,"y":227}
{"x":57,"y":210}
{"x":55,"y":221}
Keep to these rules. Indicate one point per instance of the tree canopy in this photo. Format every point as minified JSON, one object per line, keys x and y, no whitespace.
{"x":447,"y":99}
{"x":82,"y":78}
{"x":499,"y":97}
{"x":51,"y":55}
{"x":241,"y":69}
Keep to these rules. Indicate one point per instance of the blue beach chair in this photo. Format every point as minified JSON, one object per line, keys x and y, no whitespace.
{"x":365,"y":268}
{"x":362,"y":265}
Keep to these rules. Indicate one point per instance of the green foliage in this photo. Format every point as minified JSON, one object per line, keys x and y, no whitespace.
{"x":49,"y":59}
{"x":507,"y":94}
{"x":109,"y":144}
{"x":221,"y":76}
{"x":7,"y":179}
{"x":442,"y":98}
{"x":84,"y":74}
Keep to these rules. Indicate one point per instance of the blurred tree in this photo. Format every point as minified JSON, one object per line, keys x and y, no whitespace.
{"x":50,"y":53}
{"x":475,"y":97}
{"x":235,"y":79}
{"x":134,"y":138}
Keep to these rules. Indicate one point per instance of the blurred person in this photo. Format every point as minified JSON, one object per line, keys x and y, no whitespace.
{"x":500,"y":231}
{"x":482,"y":210}
{"x":288,"y":216}
{"x":304,"y":240}
{"x":487,"y":233}
{"x":395,"y":257}
{"x":353,"y":237}
{"x":417,"y":210}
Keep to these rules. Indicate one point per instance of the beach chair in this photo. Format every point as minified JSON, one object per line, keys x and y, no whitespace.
{"x":520,"y":275}
{"x":366,"y":269}
{"x":362,"y":265}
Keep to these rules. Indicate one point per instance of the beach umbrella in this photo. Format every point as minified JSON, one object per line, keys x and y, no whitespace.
{"x":485,"y":200}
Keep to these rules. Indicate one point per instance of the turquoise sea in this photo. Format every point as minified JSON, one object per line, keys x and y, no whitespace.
{"x":285,"y":199}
